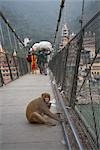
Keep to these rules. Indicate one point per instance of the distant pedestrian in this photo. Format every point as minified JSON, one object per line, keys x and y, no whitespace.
{"x":42,"y":60}
{"x":29,"y":60}
{"x":34,"y":63}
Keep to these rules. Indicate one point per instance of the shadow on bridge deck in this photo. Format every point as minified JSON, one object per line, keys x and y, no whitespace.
{"x":15,"y":132}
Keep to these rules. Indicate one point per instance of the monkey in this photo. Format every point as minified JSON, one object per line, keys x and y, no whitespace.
{"x":39,"y":107}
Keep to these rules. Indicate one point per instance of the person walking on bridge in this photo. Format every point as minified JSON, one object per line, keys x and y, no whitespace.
{"x":34,"y":63}
{"x":42,"y":60}
{"x":29,"y":60}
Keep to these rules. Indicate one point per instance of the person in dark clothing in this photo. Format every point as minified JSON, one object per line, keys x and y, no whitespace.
{"x":29,"y":60}
{"x":42,"y":60}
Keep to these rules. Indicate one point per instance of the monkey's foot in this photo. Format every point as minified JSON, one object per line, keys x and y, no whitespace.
{"x":51,"y":124}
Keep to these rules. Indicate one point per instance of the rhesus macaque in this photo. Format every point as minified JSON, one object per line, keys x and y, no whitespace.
{"x":39,"y":107}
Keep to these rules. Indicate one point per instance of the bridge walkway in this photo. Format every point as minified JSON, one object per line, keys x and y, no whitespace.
{"x":15,"y":132}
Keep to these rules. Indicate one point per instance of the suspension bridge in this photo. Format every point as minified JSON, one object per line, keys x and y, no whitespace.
{"x":73,"y":82}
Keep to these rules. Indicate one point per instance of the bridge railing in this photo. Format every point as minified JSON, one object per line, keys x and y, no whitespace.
{"x":76,"y":69}
{"x":88,"y":84}
{"x":12,"y":53}
{"x":11,"y":67}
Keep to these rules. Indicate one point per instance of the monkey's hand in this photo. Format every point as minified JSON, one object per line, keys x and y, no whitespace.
{"x":58,"y":114}
{"x":61,"y":119}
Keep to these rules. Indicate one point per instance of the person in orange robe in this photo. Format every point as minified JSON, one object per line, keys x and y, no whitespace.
{"x":34,"y":64}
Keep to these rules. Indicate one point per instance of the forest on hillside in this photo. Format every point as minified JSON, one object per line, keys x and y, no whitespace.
{"x":37,"y":19}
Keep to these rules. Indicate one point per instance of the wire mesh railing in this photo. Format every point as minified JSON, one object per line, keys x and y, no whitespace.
{"x":12,"y":53}
{"x":11,"y":67}
{"x":76,"y":69}
{"x":88,"y":84}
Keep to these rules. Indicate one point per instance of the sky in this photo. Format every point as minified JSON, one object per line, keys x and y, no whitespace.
{"x":39,"y":10}
{"x":29,"y":0}
{"x":47,"y":0}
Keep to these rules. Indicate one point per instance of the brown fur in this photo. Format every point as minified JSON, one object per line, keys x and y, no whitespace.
{"x":37,"y":108}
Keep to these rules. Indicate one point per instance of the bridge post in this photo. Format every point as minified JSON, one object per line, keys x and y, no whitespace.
{"x":2,"y":82}
{"x":65,"y":63}
{"x":74,"y":84}
{"x":14,"y":59}
{"x":9,"y":67}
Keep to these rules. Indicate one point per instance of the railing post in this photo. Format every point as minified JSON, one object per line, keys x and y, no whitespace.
{"x":15,"y":65}
{"x":9,"y":67}
{"x":65,"y":63}
{"x":2,"y":82}
{"x":75,"y":77}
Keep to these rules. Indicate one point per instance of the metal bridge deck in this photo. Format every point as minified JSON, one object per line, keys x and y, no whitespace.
{"x":15,"y":132}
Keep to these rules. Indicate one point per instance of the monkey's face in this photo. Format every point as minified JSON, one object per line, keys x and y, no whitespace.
{"x":46,"y":99}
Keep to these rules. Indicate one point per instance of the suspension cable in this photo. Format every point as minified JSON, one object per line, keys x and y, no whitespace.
{"x":2,"y":36}
{"x":59,"y":19}
{"x":15,"y":43}
{"x":88,"y":70}
{"x":78,"y":55}
{"x":82,"y":14}
{"x":93,"y":113}
{"x":9,"y":25}
{"x":9,"y":38}
{"x":86,"y":25}
{"x":89,"y":76}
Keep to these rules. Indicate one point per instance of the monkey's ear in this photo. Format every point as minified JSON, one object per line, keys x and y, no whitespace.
{"x":45,"y":95}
